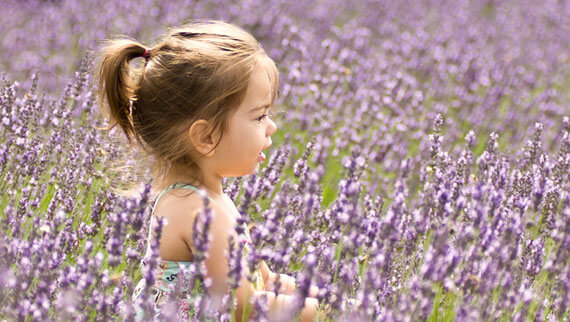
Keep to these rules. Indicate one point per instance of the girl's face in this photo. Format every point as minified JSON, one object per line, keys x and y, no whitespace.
{"x":249,"y":130}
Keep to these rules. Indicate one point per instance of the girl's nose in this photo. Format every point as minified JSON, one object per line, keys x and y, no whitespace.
{"x":271,"y":128}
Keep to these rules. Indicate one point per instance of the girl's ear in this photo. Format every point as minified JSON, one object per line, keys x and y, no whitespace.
{"x":201,"y":138}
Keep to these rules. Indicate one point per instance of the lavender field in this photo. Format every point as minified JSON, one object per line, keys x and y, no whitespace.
{"x":420,"y":170}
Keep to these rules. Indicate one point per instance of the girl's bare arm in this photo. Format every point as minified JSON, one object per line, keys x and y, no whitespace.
{"x":221,"y":228}
{"x":217,"y":268}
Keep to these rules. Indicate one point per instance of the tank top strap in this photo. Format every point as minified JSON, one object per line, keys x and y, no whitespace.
{"x":175,"y":186}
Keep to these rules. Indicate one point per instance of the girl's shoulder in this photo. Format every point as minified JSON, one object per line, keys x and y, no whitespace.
{"x":176,"y":192}
{"x":181,"y":209}
{"x":174,"y":200}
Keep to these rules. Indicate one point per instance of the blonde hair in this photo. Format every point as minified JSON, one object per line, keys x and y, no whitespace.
{"x":199,"y":71}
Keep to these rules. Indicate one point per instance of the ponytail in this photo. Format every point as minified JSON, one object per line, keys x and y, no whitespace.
{"x":117,"y":83}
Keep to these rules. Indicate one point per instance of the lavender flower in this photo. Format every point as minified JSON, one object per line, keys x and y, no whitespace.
{"x":420,"y":171}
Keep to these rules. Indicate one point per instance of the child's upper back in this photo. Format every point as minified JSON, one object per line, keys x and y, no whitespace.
{"x":180,"y":209}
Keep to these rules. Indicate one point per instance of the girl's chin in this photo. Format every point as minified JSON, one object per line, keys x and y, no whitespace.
{"x":254,"y":170}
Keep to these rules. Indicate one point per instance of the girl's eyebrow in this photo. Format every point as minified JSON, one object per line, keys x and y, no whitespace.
{"x":261,"y":107}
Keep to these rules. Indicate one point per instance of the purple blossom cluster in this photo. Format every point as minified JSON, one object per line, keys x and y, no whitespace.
{"x":420,"y":171}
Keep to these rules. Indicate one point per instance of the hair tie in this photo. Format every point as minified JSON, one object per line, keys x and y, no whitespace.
{"x":145,"y":54}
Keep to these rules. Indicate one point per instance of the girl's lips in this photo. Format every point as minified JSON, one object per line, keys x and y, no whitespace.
{"x":261,"y":157}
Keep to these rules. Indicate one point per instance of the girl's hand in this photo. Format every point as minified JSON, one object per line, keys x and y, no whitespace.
{"x":283,"y":303}
{"x":313,"y":291}
{"x":287,"y":283}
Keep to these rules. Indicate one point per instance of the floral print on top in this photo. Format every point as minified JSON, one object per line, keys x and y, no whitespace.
{"x":168,"y":271}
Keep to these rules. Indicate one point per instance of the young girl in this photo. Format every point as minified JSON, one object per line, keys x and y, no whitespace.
{"x":199,"y":106}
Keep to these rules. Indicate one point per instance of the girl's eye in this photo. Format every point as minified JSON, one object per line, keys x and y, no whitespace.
{"x":261,"y":117}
